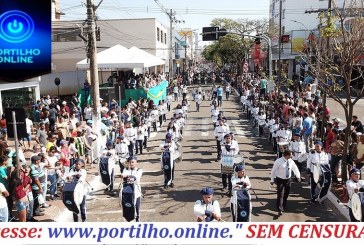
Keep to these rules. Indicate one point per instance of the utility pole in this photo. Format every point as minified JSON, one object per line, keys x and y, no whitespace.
{"x":94,"y":77}
{"x":279,"y":52}
{"x":170,"y":15}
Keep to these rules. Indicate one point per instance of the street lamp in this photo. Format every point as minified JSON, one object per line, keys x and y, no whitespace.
{"x":57,"y":81}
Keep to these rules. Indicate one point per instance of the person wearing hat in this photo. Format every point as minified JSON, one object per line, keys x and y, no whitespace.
{"x":122,"y":151}
{"x":239,"y":181}
{"x":281,"y":175}
{"x":220,"y":132}
{"x":110,"y":154}
{"x":228,"y":150}
{"x":295,"y":146}
{"x":354,"y":185}
{"x":167,"y":160}
{"x":317,"y":158}
{"x":207,"y":210}
{"x":133,"y":174}
{"x":79,"y":174}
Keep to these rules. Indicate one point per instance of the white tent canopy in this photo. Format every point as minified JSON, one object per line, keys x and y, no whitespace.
{"x":148,"y":59}
{"x":118,"y":57}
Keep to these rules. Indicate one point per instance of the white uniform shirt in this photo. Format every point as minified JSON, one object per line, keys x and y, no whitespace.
{"x":137,"y":173}
{"x":130,"y":134}
{"x":351,"y":186}
{"x":233,"y":145}
{"x":261,"y":119}
{"x":284,"y":135}
{"x":317,"y":158}
{"x":200,"y":207}
{"x":214,"y":114}
{"x":280,"y":169}
{"x":220,"y":132}
{"x":111,"y":155}
{"x":235,"y":186}
{"x":121,"y":149}
{"x":198,"y":98}
{"x":294,"y":146}
{"x":140,"y":133}
{"x":81,"y":175}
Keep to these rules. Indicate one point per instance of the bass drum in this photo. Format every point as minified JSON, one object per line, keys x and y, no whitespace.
{"x":357,"y":206}
{"x":72,"y":196}
{"x":177,"y":156}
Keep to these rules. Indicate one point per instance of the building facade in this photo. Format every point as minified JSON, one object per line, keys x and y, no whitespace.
{"x":297,"y":24}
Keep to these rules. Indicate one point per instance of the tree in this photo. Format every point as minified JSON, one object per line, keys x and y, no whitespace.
{"x":232,"y":48}
{"x":335,"y":56}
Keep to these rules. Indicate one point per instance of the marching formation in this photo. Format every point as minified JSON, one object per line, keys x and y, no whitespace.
{"x":291,"y":123}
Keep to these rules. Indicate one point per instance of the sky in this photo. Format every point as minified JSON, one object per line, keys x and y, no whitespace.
{"x":195,"y":13}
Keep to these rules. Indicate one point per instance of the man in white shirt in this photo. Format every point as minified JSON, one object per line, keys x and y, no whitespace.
{"x":110,"y":154}
{"x":207,"y":210}
{"x":122,"y":151}
{"x":354,"y":185}
{"x":79,"y":174}
{"x":88,"y":112}
{"x":281,"y":175}
{"x":227,"y":91}
{"x":29,"y":129}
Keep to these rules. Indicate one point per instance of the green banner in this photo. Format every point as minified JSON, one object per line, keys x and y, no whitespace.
{"x":158,"y":92}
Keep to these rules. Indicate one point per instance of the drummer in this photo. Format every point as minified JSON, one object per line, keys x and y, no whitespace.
{"x":220,"y":132}
{"x":134,"y":174}
{"x":239,"y":181}
{"x":110,"y":154}
{"x":231,"y":149}
{"x":79,"y":175}
{"x":122,"y":151}
{"x":295,"y":147}
{"x":316,"y":158}
{"x":354,"y":185}
{"x":207,"y":210}
{"x":284,"y":135}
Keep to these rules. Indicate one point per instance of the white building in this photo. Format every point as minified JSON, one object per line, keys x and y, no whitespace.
{"x":68,"y":47}
{"x":298,"y":25}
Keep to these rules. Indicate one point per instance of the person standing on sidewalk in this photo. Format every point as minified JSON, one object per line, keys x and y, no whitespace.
{"x":281,"y":175}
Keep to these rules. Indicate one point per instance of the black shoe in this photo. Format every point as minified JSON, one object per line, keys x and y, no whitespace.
{"x":171,"y":185}
{"x":313,"y":200}
{"x":280,"y":213}
{"x":32,"y":220}
{"x":56,"y":195}
{"x":84,"y":220}
{"x":165,"y":187}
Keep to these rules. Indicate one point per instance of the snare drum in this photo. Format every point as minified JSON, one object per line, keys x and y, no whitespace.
{"x":357,"y":205}
{"x":283,"y":146}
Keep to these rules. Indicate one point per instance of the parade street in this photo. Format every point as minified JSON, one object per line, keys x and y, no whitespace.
{"x":199,"y":169}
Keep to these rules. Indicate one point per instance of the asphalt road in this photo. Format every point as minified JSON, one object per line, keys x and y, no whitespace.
{"x":199,"y":169}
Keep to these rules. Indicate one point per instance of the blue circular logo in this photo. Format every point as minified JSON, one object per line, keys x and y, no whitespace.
{"x":16,"y":26}
{"x":243,"y":214}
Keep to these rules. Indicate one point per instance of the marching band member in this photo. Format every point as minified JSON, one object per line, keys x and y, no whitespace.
{"x":160,"y":112}
{"x":198,"y":99}
{"x":164,"y":110}
{"x":153,"y":117}
{"x":214,"y":114}
{"x":169,"y":101}
{"x":79,"y":174}
{"x":112,"y":158}
{"x":130,"y":135}
{"x":228,"y":151}
{"x":121,"y":150}
{"x":318,"y":159}
{"x":271,"y":122}
{"x":219,"y":133}
{"x":207,"y":209}
{"x":167,"y":161}
{"x":354,"y":185}
{"x":133,"y":174}
{"x":239,"y":181}
{"x":180,"y":121}
{"x":295,"y":148}
{"x":234,"y":143}
{"x":284,"y":134}
{"x":281,"y":175}
{"x":261,"y":121}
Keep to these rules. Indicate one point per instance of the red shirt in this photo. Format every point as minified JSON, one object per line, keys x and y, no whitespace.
{"x":329,"y":139}
{"x":19,"y":191}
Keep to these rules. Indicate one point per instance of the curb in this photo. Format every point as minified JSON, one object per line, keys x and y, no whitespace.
{"x":341,"y":207}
